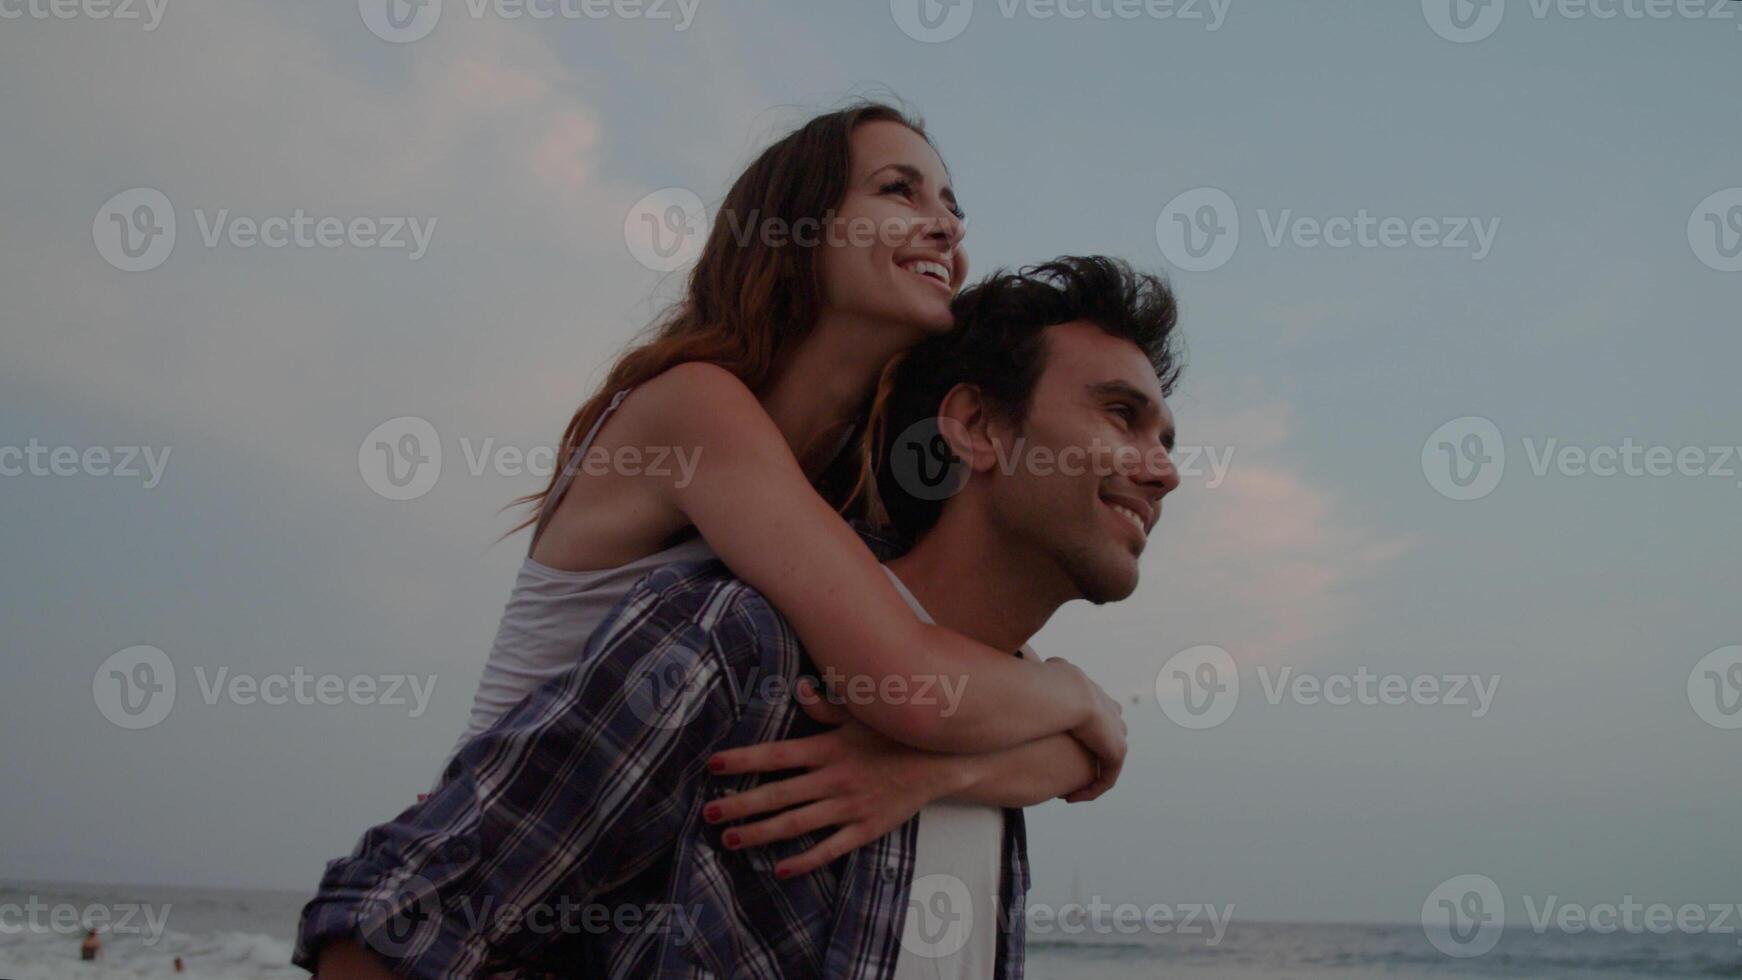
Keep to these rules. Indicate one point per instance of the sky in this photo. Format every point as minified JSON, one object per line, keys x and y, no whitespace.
{"x":1484,"y":287}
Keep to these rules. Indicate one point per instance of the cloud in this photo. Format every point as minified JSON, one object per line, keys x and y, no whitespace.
{"x":1268,"y":564}
{"x":240,"y":109}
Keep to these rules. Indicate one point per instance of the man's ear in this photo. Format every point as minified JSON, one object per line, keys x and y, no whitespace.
{"x":966,"y":423}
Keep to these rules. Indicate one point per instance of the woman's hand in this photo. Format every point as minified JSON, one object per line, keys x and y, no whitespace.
{"x":860,"y":781}
{"x":1103,"y":735}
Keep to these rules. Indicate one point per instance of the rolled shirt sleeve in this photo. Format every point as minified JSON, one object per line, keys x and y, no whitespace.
{"x":575,"y":790}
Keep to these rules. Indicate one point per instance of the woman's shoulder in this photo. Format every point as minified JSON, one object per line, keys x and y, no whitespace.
{"x":691,"y":395}
{"x":697,"y":377}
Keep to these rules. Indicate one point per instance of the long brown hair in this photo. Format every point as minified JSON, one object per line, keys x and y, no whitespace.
{"x":748,"y":301}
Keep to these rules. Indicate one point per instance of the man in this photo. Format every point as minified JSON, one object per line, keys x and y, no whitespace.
{"x":582,"y":835}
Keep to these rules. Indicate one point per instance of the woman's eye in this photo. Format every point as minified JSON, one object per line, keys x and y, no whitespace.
{"x":905,"y":188}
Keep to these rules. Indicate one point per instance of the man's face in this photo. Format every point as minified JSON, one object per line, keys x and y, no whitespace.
{"x":1093,"y":461}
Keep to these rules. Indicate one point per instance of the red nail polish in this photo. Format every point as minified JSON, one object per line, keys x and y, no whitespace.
{"x":731,"y":838}
{"x":782,"y":873}
{"x":711,"y":812}
{"x":716,"y":765}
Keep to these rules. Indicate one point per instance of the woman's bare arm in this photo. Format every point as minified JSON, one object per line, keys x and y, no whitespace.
{"x":753,"y":504}
{"x":1026,"y":775}
{"x":1030,"y":774}
{"x":865,"y":784}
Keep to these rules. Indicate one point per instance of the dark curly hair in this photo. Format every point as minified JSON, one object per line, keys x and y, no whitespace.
{"x":998,"y":346}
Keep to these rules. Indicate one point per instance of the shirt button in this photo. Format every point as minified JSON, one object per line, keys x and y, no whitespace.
{"x":891,"y":872}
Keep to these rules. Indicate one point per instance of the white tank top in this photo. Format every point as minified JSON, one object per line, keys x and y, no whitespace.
{"x":551,"y":612}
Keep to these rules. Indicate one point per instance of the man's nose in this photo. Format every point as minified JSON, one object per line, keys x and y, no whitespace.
{"x":1157,"y":475}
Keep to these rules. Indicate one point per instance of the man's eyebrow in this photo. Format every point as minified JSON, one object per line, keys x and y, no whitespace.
{"x":914,"y":174}
{"x":1121,"y":389}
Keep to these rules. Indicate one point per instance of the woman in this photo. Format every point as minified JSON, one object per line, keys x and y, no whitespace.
{"x":839,"y":247}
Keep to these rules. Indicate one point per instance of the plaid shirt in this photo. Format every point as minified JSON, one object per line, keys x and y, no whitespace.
{"x":568,"y":839}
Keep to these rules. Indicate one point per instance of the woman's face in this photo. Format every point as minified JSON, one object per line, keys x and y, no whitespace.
{"x":893,"y":251}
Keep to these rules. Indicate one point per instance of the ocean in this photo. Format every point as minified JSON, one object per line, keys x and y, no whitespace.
{"x":241,"y":935}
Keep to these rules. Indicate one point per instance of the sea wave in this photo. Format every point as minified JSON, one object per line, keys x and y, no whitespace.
{"x":44,"y":954}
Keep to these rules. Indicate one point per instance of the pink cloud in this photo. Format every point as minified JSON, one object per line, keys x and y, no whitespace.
{"x":1271,"y":558}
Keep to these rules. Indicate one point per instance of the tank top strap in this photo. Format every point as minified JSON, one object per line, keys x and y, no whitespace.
{"x":567,"y":476}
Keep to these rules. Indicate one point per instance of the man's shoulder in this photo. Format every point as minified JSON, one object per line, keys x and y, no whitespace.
{"x":703,"y":601}
{"x":699,"y":587}
{"x":707,"y":591}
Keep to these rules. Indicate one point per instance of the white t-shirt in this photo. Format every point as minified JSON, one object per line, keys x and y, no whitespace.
{"x":951,"y":927}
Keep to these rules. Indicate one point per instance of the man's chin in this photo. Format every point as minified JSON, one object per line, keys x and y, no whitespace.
{"x":1112,"y":583}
